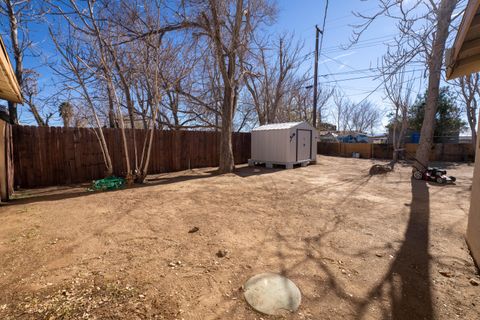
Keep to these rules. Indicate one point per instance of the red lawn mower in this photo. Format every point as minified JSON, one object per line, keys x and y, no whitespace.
{"x":433,"y":174}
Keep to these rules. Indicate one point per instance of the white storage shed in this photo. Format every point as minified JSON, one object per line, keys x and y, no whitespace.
{"x":284,"y":143}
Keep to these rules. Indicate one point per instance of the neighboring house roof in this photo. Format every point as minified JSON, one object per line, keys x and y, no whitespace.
{"x":9,"y":87}
{"x":464,"y":57}
{"x":278,"y":126}
{"x":350,"y":133}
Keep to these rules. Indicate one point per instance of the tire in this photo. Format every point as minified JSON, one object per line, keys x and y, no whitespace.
{"x":418,"y":175}
{"x":440,"y":180}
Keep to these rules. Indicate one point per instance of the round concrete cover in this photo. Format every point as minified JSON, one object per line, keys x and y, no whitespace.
{"x":272,"y":294}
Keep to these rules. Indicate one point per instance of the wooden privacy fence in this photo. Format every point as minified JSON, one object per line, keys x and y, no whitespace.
{"x":47,"y":156}
{"x":440,"y":152}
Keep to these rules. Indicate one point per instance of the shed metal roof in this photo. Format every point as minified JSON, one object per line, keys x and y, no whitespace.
{"x":278,"y":126}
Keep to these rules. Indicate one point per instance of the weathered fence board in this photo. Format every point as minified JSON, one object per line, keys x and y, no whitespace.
{"x":46,"y":156}
{"x":440,"y":151}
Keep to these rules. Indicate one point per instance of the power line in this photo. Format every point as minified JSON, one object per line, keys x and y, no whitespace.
{"x":339,"y":62}
{"x":348,"y":72}
{"x":382,"y":83}
{"x":367,"y":43}
{"x":371,"y":76}
{"x":347,"y":16}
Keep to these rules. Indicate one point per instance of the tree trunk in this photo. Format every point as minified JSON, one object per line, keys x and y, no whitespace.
{"x":394,"y":138}
{"x":37,"y":116}
{"x":226,"y":151}
{"x":111,"y":111}
{"x":12,"y":111}
{"x":17,"y":54}
{"x":473,"y":124}
{"x":435,"y":68}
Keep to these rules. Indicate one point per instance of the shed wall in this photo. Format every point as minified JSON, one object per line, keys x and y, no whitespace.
{"x":270,"y":145}
{"x":276,"y":146}
{"x":292,"y":146}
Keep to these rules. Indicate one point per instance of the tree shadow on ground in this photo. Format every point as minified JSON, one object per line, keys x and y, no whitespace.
{"x":408,"y":277}
{"x":404,"y":290}
{"x":28,"y":196}
{"x":245,"y":172}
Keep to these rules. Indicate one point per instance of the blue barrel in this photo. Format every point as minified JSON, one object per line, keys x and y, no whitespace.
{"x":416,"y":137}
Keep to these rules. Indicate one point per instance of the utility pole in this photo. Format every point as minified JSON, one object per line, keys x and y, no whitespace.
{"x":315,"y":78}
{"x":318,"y":31}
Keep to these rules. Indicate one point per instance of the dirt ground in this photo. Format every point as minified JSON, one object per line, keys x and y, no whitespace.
{"x":358,"y":247}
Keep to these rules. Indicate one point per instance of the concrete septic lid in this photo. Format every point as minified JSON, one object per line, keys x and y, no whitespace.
{"x":272,"y":294}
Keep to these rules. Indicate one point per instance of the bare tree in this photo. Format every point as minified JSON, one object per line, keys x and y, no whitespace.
{"x":423,"y":31}
{"x":30,"y":91}
{"x":105,"y":60}
{"x":20,"y":13}
{"x":75,"y":71}
{"x":398,"y":90}
{"x":341,"y":111}
{"x":363,"y":116}
{"x":272,"y":75}
{"x":229,"y":26}
{"x":66,"y":112}
{"x":297,"y":104}
{"x":469,"y":87}
{"x":435,"y":62}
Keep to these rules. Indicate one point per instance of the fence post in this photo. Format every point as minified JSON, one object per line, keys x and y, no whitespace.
{"x":6,"y":170}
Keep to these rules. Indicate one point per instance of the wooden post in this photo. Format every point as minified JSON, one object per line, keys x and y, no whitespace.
{"x":3,"y":162}
{"x":6,"y":165}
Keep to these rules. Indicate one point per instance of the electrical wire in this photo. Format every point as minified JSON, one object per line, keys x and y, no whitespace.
{"x":323,"y":27}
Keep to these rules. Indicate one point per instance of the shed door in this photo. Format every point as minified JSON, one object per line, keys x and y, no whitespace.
{"x":304,"y":144}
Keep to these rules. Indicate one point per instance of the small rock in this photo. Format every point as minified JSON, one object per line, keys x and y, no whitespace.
{"x":193,"y":230}
{"x":474,"y":282}
{"x":222,"y":253}
{"x":179,"y":262}
{"x":172,"y":264}
{"x":379,"y":255}
{"x":447,"y":274}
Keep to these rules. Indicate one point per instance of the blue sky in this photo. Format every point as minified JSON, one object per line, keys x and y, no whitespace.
{"x":301,"y":17}
{"x":337,"y":67}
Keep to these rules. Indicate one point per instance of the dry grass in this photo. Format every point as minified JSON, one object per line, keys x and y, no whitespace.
{"x":357,"y":246}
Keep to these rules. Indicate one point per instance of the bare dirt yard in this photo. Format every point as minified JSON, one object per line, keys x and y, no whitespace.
{"x":358,"y":247}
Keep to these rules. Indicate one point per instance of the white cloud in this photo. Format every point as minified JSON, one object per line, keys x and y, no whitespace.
{"x":334,"y":59}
